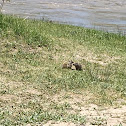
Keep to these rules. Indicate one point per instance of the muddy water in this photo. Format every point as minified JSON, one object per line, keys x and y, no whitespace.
{"x":107,"y":15}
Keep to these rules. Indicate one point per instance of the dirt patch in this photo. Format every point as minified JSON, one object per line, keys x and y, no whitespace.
{"x":102,"y":59}
{"x":51,"y":123}
{"x":1,"y":65}
{"x":10,"y":84}
{"x":8,"y":97}
{"x":71,"y":97}
{"x":104,"y":116}
{"x":95,"y":115}
{"x":33,"y":91}
{"x":2,"y":79}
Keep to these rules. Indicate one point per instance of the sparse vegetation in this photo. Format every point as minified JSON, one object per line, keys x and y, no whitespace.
{"x":31,"y":74}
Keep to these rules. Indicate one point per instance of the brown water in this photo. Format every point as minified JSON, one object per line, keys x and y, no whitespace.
{"x":107,"y":15}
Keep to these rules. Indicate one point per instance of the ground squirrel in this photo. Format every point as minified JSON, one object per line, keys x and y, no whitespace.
{"x":67,"y":65}
{"x":77,"y":66}
{"x":71,"y":65}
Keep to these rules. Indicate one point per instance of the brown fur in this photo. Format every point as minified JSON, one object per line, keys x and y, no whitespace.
{"x":64,"y":66}
{"x":71,"y":65}
{"x":77,"y":66}
{"x":67,"y":65}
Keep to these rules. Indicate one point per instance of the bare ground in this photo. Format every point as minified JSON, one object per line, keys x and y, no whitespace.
{"x":95,"y":115}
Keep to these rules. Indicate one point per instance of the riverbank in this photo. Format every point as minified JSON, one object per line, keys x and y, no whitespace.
{"x":87,"y":13}
{"x":34,"y":87}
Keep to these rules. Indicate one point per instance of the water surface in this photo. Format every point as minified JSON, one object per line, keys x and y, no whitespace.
{"x":107,"y":15}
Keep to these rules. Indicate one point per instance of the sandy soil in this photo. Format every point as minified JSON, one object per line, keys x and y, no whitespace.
{"x":95,"y":115}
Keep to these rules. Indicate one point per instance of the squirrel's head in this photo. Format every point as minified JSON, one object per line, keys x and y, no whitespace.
{"x":71,"y":62}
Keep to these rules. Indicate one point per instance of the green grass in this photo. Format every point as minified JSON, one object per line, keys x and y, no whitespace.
{"x":31,"y":56}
